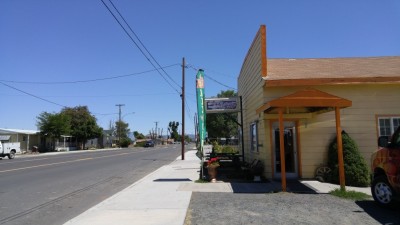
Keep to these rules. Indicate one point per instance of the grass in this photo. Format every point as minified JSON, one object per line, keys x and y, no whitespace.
{"x":353,"y":195}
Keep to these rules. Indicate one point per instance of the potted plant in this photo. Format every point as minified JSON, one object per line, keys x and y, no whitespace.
{"x":257,"y":170}
{"x":212,"y":165}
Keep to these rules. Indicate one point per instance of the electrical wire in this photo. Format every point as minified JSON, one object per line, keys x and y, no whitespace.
{"x":213,"y":71}
{"x":86,"y":81}
{"x":130,"y":28}
{"x":136,"y":44}
{"x":205,"y":75}
{"x":107,"y":96}
{"x":218,"y":82}
{"x":35,"y":96}
{"x":188,"y":108}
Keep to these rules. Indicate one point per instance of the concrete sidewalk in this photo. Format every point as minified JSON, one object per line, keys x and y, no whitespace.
{"x":163,"y":196}
{"x":155,"y":199}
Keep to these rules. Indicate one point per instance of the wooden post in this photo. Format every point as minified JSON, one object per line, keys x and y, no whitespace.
{"x":340,"y":150}
{"x":282,"y":150}
{"x":183,"y":111}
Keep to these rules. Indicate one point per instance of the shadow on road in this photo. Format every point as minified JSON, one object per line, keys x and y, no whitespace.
{"x":379,"y":213}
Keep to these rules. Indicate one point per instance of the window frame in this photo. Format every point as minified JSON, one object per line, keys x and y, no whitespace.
{"x":254,"y":137}
{"x":391,"y":124}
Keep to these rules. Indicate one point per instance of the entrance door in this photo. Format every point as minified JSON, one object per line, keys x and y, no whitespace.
{"x":290,"y":150}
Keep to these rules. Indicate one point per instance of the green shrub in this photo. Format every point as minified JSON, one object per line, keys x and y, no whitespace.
{"x":223,"y":149}
{"x":229,"y":149}
{"x":140,"y":144}
{"x":216,"y":147}
{"x":355,"y":167}
{"x":125,"y":142}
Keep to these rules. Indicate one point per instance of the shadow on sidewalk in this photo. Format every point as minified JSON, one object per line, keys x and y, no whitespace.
{"x":293,"y":186}
{"x":243,"y":183}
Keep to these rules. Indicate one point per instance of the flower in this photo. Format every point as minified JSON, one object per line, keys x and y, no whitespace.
{"x":213,"y":162}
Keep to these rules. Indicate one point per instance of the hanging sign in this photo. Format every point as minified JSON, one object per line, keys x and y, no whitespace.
{"x":222,"y":105}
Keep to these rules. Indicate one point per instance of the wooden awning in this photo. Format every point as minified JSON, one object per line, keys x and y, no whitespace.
{"x":306,"y":101}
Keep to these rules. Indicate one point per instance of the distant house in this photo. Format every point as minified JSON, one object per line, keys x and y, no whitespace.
{"x":309,"y":94}
{"x":27,"y":138}
{"x":107,"y":140}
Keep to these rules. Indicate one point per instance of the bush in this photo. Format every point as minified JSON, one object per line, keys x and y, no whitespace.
{"x":223,"y":149}
{"x":355,"y":167}
{"x":140,"y":144}
{"x":125,"y":142}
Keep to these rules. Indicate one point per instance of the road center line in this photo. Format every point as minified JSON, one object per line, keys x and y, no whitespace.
{"x":76,"y":160}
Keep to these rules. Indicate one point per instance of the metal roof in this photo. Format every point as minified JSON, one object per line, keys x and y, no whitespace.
{"x":17,"y":131}
{"x":4,"y":137}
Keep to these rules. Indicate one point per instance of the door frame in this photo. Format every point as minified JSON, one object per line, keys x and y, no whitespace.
{"x":297,"y":157}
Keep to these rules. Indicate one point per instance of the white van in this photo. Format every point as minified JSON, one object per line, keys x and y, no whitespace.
{"x":8,"y":149}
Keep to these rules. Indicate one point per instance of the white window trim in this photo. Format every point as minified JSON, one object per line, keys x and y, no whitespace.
{"x":392,"y":128}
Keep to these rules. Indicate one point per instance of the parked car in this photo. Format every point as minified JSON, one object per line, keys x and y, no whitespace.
{"x":385,"y":186}
{"x":9,"y":149}
{"x":149,"y":144}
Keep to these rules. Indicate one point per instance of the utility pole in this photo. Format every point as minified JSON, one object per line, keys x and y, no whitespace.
{"x":119,"y":125}
{"x":183,"y":108}
{"x":156,"y":132}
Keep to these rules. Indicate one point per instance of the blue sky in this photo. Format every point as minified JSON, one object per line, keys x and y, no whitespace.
{"x":64,"y":41}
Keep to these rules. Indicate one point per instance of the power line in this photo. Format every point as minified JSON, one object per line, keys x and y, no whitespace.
{"x":87,"y":81}
{"x":35,"y":96}
{"x":220,"y":83}
{"x":143,"y":53}
{"x":213,"y":71}
{"x":130,"y":28}
{"x":188,"y":108}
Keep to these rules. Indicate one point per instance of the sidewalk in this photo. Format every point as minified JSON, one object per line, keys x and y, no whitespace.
{"x":163,"y":196}
{"x":154,"y":199}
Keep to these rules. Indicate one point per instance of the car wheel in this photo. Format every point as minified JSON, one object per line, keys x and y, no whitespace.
{"x":11,"y":155}
{"x":382,"y":192}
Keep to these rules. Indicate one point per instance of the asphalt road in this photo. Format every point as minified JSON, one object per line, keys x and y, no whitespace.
{"x":51,"y":189}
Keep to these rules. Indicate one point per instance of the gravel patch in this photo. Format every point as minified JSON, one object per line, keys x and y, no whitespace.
{"x":285,"y":208}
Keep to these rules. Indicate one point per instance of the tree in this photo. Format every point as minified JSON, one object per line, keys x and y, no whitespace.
{"x":83,"y":124}
{"x":122,"y":129}
{"x":173,"y":130}
{"x":222,"y":124}
{"x":53,"y":125}
{"x":355,"y":167}
{"x":138,"y":135}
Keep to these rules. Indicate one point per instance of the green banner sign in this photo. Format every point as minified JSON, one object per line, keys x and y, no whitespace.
{"x":200,"y":108}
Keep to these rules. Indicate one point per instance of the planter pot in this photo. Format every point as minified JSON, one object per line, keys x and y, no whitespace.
{"x":212,"y":173}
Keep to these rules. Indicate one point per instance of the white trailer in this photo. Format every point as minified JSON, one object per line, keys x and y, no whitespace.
{"x":8,"y":149}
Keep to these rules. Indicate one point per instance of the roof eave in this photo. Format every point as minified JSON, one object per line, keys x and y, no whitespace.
{"x":329,"y":81}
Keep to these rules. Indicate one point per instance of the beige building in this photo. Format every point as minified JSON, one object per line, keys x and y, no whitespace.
{"x":27,"y":138}
{"x":365,"y":92}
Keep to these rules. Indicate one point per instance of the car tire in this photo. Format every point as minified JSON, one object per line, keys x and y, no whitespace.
{"x":382,"y":192}
{"x":11,"y":155}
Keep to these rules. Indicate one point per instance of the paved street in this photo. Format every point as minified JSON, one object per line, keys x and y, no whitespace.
{"x":51,"y":189}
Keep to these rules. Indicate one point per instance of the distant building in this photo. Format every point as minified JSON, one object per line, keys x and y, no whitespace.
{"x":27,"y":138}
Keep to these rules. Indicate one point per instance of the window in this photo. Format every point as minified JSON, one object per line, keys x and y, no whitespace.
{"x":253,"y":137}
{"x":388,"y":125}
